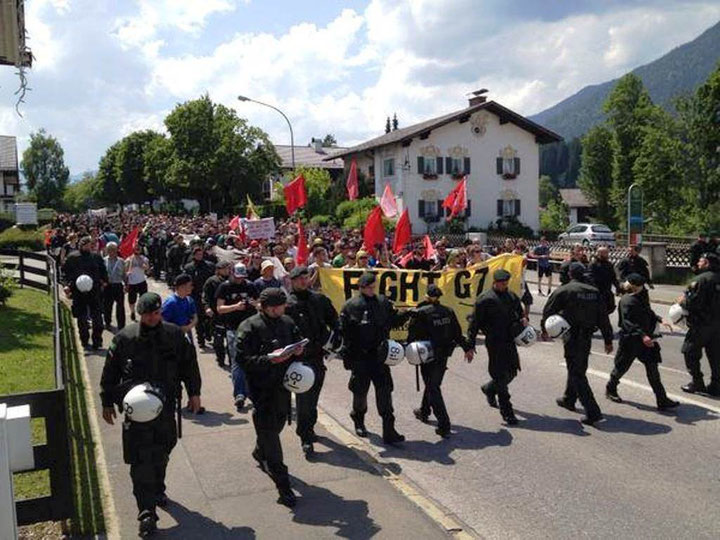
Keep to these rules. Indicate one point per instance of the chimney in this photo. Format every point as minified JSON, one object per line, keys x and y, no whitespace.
{"x":478,"y":97}
{"x":317,"y":143}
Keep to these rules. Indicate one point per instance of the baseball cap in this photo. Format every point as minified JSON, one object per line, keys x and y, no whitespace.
{"x":240,"y":270}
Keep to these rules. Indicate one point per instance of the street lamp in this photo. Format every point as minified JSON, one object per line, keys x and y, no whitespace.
{"x":292,"y":139}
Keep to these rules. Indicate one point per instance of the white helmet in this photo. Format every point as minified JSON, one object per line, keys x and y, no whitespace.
{"x":677,"y":314}
{"x":299,"y":378}
{"x":143,"y":403}
{"x":527,"y":337}
{"x":419,"y":352}
{"x":84,"y":283}
{"x":556,"y":326}
{"x":393,"y":352}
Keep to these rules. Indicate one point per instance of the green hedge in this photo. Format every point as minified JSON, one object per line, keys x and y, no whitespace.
{"x":22,"y":239}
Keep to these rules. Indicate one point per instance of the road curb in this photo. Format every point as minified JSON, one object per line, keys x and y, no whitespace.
{"x":443,"y":517}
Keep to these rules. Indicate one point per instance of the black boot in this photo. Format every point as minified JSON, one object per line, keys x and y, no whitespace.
{"x":286,"y":497}
{"x":420,"y":415}
{"x":148,"y":523}
{"x":260,"y":460}
{"x":590,"y":420}
{"x":359,"y":421}
{"x":713,"y":389}
{"x":491,"y":397}
{"x":562,"y":402}
{"x":390,"y":436}
{"x":666,"y":403}
{"x":510,"y":418}
{"x":694,"y":386}
{"x":611,"y":392}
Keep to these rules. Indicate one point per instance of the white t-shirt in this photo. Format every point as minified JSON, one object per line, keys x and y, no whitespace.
{"x":136,"y":272}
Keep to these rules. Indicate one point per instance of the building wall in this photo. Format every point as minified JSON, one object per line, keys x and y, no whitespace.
{"x":482,"y":139}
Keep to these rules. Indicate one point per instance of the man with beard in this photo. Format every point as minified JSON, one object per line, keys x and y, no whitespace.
{"x":602,"y":276}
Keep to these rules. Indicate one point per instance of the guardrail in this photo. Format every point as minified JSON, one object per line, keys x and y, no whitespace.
{"x":51,"y":405}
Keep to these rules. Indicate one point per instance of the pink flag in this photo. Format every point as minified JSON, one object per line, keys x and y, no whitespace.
{"x":352,"y":181}
{"x":388,"y":203}
{"x":429,"y":249}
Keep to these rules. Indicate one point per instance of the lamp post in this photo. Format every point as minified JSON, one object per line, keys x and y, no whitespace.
{"x":292,"y":140}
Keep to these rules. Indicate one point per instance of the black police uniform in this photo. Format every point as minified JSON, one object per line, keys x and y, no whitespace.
{"x":315,"y":316}
{"x":365,"y":324}
{"x":89,"y":304}
{"x":636,"y":320}
{"x":438,"y":324}
{"x":581,"y":305}
{"x":564,"y":272}
{"x":175,"y":258}
{"x":162,"y":356}
{"x":218,"y":329}
{"x":697,"y":250}
{"x":200,"y":271}
{"x":257,"y":337}
{"x":499,"y":315}
{"x":602,"y":275}
{"x":633,"y":265}
{"x":702,"y":301}
{"x":157,"y":248}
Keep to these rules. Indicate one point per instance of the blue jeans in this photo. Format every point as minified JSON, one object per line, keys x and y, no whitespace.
{"x":236,"y":372}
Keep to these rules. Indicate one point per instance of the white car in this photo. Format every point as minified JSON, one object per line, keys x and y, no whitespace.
{"x":588,"y":234}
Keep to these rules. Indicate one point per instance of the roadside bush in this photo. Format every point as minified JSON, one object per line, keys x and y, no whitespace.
{"x":7,"y":286}
{"x":511,"y":226}
{"x":46,"y":215}
{"x":7,"y":220}
{"x":321,"y":220}
{"x":22,"y":239}
{"x":346,"y":209}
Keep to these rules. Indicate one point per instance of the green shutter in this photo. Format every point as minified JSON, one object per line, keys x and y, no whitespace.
{"x":517,"y":165}
{"x":499,"y":207}
{"x":466,"y":165}
{"x":439,"y":164}
{"x":498,"y":166}
{"x":421,"y":208}
{"x":421,"y":165}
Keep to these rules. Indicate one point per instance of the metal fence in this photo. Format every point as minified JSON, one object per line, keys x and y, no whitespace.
{"x":51,"y":405}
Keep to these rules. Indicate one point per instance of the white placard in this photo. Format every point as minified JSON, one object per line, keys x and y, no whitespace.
{"x":26,"y":213}
{"x":257,"y":229}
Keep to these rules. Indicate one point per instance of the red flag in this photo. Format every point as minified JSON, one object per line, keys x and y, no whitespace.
{"x":234,"y":223}
{"x":374,"y":232}
{"x":456,"y":200}
{"x":295,"y":194}
{"x":126,"y":247}
{"x":403,"y":232}
{"x":429,"y":249}
{"x":352,"y":181}
{"x":388,"y":203}
{"x":302,"y":247}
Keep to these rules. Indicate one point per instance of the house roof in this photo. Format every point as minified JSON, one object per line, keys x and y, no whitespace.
{"x":307,"y":156}
{"x":575,"y":198}
{"x":542,"y":134}
{"x":8,"y":153}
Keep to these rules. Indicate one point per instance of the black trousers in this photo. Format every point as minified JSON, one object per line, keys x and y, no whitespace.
{"x":219,"y":336}
{"x":360,"y":379}
{"x":87,"y":310}
{"x":307,"y":403}
{"x":270,"y":412}
{"x":503,"y":365}
{"x":204,"y":333}
{"x":432,"y":399}
{"x":577,"y":353}
{"x":147,"y":447}
{"x":630,"y":349}
{"x":114,"y":293}
{"x":697,"y":339}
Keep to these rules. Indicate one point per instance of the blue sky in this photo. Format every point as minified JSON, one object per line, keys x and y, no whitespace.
{"x":105,"y":68}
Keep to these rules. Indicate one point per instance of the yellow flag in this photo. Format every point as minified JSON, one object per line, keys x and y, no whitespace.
{"x":252,"y":212}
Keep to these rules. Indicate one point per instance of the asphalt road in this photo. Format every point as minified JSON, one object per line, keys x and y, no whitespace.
{"x":638,"y":474}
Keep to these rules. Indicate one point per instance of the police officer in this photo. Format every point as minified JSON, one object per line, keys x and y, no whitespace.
{"x":438,"y":324}
{"x":499,"y":314}
{"x":698,"y":249}
{"x":175,"y":258}
{"x":602,"y":275}
{"x":155,"y":352}
{"x":702,"y":301}
{"x":634,"y":264}
{"x":576,"y":255}
{"x":222,"y":270}
{"x":200,"y":271}
{"x":315,"y":316}
{"x":638,"y":324}
{"x":365,"y":324}
{"x":86,"y":304}
{"x":258,"y":336}
{"x":582,"y":307}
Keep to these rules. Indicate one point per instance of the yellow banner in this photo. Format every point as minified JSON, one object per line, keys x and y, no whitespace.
{"x":406,"y":288}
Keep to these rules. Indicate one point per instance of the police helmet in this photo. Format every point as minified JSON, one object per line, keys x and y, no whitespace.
{"x":556,"y":326}
{"x":677,"y":314}
{"x":84,"y":283}
{"x":419,"y":352}
{"x":527,"y":337}
{"x":299,"y":378}
{"x":391,"y":352}
{"x":143,"y":403}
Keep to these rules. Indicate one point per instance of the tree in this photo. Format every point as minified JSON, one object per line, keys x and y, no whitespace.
{"x":329,"y":141}
{"x":107,"y":176}
{"x":395,"y":122}
{"x":43,"y":166}
{"x":157,"y":162}
{"x":83,"y":194}
{"x":555,"y":217}
{"x":548,"y":191}
{"x":387,"y":125}
{"x":130,"y":169}
{"x":596,"y":172}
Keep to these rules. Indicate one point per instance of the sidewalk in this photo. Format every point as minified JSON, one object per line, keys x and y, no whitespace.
{"x":217,"y":491}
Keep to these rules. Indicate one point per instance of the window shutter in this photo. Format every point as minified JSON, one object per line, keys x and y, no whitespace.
{"x":517,"y":165}
{"x":466,"y":165}
{"x":499,"y":166}
{"x":467,"y":210}
{"x":439,"y":164}
{"x":448,"y":165}
{"x":421,"y":208}
{"x":500,"y":207}
{"x":421,"y":165}
{"x":517,"y":207}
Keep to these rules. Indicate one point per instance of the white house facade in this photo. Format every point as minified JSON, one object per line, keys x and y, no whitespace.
{"x":495,"y":148}
{"x":9,"y":177}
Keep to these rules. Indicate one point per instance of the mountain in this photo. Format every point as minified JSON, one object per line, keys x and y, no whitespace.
{"x":678,"y":72}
